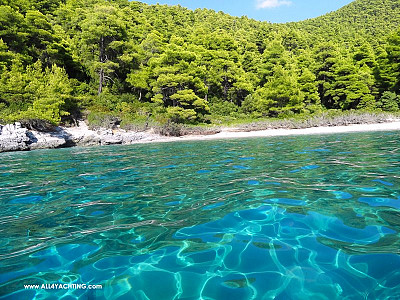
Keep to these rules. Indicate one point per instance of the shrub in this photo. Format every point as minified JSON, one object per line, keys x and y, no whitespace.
{"x":102,"y":120}
{"x":224,"y":109}
{"x":169,"y":129}
{"x":389,"y":101}
{"x":180,"y":115}
{"x":38,"y":125}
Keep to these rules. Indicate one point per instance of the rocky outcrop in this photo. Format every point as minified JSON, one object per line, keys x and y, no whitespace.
{"x":41,"y":140}
{"x":13,"y":137}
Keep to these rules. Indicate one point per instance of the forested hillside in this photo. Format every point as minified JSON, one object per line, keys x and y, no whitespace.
{"x":98,"y":59}
{"x":357,"y":21}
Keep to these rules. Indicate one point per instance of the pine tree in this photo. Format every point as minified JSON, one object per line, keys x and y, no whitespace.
{"x":326,"y":57}
{"x":309,"y":88}
{"x":279,"y":95}
{"x":102,"y":28}
{"x":393,"y":62}
{"x":389,"y":101}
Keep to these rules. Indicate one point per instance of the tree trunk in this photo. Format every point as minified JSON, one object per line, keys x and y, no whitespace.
{"x":225,"y":84}
{"x":208,"y":89}
{"x":101,"y":79}
{"x":101,"y":59}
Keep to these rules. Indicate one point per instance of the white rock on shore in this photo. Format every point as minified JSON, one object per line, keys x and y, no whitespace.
{"x":15,"y":138}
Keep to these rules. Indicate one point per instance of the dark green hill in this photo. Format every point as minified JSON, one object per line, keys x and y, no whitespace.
{"x":142,"y":63}
{"x":372,"y":19}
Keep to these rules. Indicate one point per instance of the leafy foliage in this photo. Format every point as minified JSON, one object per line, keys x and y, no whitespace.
{"x":389,"y":101}
{"x":161,"y":63}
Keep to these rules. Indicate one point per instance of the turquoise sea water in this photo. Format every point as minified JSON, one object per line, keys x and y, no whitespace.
{"x":308,"y":217}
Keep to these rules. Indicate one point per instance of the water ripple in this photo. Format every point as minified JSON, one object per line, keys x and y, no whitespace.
{"x":305,"y":217}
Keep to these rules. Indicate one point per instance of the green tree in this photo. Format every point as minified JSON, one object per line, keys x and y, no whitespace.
{"x":389,"y":69}
{"x":12,"y":88}
{"x":274,"y":55}
{"x":36,"y":94}
{"x":309,"y":88}
{"x":279,"y":95}
{"x":172,"y":72}
{"x":188,"y":106}
{"x":364,"y":54}
{"x":389,"y":101}
{"x":13,"y":29}
{"x":326,"y":58}
{"x":102,"y":28}
{"x":6,"y":56}
{"x":172,"y":61}
{"x":367,"y":78}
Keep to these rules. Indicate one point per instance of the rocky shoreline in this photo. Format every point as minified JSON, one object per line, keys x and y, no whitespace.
{"x":13,"y":137}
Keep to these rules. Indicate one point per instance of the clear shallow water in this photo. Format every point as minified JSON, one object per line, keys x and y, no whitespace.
{"x":312,"y":217}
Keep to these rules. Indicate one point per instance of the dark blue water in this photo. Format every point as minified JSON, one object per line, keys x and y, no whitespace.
{"x":309,"y":217}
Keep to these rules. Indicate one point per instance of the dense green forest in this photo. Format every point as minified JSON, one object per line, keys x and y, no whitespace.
{"x":68,"y":59}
